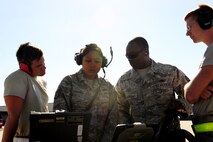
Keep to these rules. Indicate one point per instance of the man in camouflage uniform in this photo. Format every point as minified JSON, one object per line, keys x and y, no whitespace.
{"x":147,"y":90}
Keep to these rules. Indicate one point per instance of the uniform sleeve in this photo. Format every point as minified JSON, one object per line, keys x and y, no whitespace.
{"x":180,"y":79}
{"x":112,"y":120}
{"x":179,"y":82}
{"x":124,"y":115}
{"x":63,"y":94}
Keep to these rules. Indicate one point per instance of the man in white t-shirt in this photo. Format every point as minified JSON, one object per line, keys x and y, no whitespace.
{"x":24,"y":91}
{"x":199,"y":90}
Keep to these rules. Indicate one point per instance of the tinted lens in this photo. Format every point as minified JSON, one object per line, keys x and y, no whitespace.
{"x":132,"y":55}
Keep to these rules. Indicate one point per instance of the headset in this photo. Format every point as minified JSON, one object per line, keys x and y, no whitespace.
{"x":25,"y":65}
{"x":24,"y":62}
{"x":25,"y":68}
{"x":79,"y":56}
{"x":205,"y":18}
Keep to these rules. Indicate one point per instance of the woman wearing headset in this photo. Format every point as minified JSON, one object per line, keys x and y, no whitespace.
{"x":86,"y":91}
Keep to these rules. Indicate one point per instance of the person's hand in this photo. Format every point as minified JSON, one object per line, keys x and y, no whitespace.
{"x":207,"y":92}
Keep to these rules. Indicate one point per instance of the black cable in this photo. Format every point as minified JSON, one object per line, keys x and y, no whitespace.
{"x":111,"y":52}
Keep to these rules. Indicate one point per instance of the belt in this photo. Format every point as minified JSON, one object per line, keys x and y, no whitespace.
{"x":203,"y":127}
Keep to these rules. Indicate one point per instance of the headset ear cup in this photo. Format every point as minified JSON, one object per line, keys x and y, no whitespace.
{"x":78,"y":58}
{"x":104,"y":62}
{"x":25,"y":68}
{"x":204,"y":23}
{"x":205,"y":19}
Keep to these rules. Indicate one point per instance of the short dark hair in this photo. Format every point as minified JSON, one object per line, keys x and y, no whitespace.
{"x":26,"y":53}
{"x":139,"y":41}
{"x":202,"y":7}
{"x":92,"y":47}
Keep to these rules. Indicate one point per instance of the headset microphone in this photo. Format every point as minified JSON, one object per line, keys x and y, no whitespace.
{"x":111,"y":52}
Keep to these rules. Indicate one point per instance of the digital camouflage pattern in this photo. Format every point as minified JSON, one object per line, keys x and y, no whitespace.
{"x":75,"y":94}
{"x":145,"y":99}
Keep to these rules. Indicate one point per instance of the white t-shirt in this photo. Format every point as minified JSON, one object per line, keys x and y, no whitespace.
{"x":32,"y":90}
{"x":204,"y":107}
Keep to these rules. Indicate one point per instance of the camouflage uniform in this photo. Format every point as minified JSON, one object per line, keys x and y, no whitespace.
{"x":79,"y":93}
{"x":145,"y":99}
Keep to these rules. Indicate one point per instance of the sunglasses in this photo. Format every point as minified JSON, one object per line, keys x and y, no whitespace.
{"x":132,"y":56}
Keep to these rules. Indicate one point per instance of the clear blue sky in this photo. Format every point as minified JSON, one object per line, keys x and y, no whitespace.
{"x":62,"y":27}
